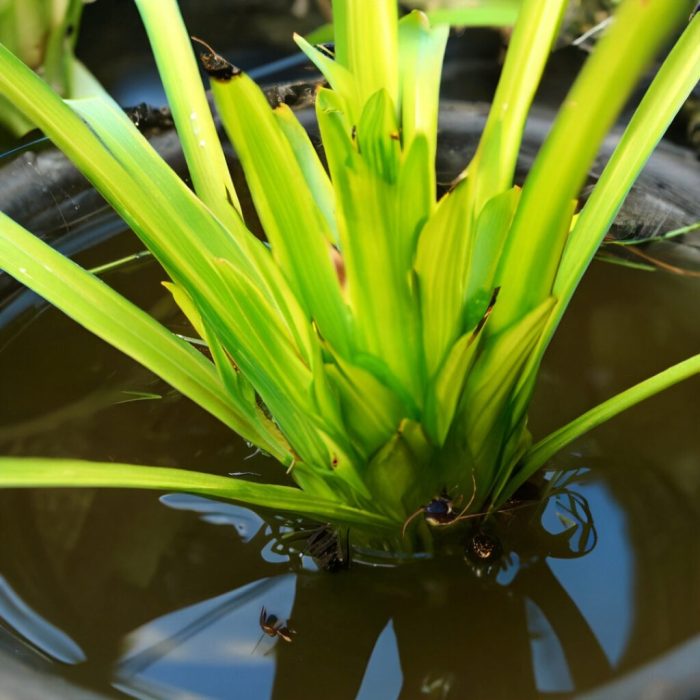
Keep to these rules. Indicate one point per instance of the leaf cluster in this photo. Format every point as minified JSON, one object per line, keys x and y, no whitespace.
{"x":382,"y":344}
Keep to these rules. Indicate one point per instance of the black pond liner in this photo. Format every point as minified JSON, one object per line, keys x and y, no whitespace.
{"x":664,"y":198}
{"x":76,"y":219}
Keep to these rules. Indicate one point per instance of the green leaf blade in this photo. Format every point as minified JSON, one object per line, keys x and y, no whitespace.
{"x":546,"y":448}
{"x":101,"y":310}
{"x":297,"y":230}
{"x":193,"y":119}
{"x":421,"y":51}
{"x":37,"y":472}
{"x":596,"y":98}
{"x":441,"y":258}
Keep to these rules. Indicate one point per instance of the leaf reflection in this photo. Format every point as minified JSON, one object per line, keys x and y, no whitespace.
{"x":454,"y":631}
{"x":435,"y":628}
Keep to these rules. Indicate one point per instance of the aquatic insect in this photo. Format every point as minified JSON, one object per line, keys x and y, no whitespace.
{"x":482,"y":547}
{"x":441,"y":511}
{"x":272,"y":626}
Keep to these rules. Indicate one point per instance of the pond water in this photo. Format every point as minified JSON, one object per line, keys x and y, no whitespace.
{"x":149,"y":595}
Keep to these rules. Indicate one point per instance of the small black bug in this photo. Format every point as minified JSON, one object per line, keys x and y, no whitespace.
{"x":483,"y":548}
{"x":440,"y":511}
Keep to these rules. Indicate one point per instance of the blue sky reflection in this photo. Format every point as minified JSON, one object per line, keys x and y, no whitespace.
{"x":600,"y":584}
{"x":208,"y":650}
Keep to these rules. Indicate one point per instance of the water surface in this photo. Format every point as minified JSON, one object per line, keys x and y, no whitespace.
{"x":152,"y":595}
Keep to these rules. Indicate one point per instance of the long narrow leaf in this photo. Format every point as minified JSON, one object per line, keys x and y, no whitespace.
{"x":368,"y":46}
{"x":491,"y":170}
{"x":316,"y":177}
{"x":677,"y":76}
{"x":441,"y":249}
{"x":337,"y":75}
{"x":188,"y":103}
{"x":96,"y":306}
{"x":297,"y":230}
{"x":483,"y":13}
{"x":36,"y":472}
{"x":671,"y":86}
{"x":421,"y":51}
{"x":595,"y":100}
{"x":546,"y":448}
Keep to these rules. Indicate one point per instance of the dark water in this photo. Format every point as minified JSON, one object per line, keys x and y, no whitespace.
{"x":159,"y":596}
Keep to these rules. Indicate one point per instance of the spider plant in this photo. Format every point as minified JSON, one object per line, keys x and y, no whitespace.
{"x":382,"y":344}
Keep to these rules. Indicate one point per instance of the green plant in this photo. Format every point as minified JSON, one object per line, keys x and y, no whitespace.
{"x":43,"y":34}
{"x":385,"y":345}
{"x":472,"y":13}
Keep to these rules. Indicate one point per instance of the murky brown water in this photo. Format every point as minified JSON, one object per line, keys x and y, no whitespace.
{"x":159,"y":597}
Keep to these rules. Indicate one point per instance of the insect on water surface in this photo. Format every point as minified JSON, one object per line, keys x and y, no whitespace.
{"x":441,"y":511}
{"x":272,"y":626}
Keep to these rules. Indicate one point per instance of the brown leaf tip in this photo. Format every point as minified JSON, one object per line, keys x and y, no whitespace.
{"x":214,"y":64}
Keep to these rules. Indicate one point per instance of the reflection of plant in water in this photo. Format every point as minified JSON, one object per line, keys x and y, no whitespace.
{"x":444,"y":620}
{"x":384,"y":345}
{"x":498,"y":547}
{"x":446,"y":626}
{"x":444,"y":637}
